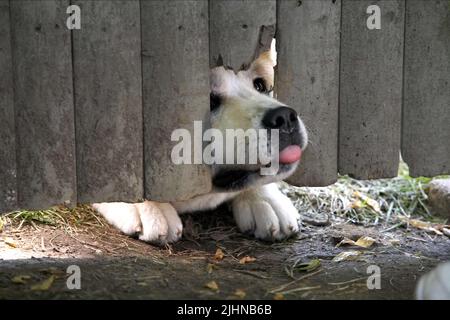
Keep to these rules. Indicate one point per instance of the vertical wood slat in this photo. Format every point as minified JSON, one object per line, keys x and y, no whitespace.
{"x":235,"y":30}
{"x":370,"y":90}
{"x":41,"y":47}
{"x":175,"y":93}
{"x":8,"y":185}
{"x":307,"y":79}
{"x":108,"y":101}
{"x":426,"y":108}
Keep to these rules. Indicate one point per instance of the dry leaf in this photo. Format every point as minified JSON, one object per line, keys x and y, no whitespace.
{"x":210,"y":267}
{"x":212,"y":285}
{"x":10,"y":242}
{"x":446,"y":232}
{"x":345,"y":241}
{"x":247,"y":259}
{"x":347,"y":255}
{"x":357,"y":204}
{"x":20,"y":279}
{"x":365,"y":242}
{"x":44,"y":285}
{"x":240,"y":293}
{"x":278,"y":296}
{"x":365,"y":200}
{"x":219,"y":254}
{"x":308,"y":266}
{"x":422,"y":225}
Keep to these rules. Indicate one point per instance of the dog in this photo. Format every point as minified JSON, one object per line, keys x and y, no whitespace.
{"x":238,"y":100}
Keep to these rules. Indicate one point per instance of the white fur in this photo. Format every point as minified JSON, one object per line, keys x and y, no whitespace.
{"x":266,"y":213}
{"x":151,"y":221}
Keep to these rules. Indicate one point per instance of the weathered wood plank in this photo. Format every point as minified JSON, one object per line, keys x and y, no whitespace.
{"x":426,"y":108}
{"x":175,"y":93}
{"x":235,"y":30}
{"x":41,"y":47}
{"x":8,"y":186}
{"x":370,"y":90}
{"x":307,"y":79}
{"x":108,"y":101}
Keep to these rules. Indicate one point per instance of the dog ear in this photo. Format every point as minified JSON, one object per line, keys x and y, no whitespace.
{"x":263,"y":67}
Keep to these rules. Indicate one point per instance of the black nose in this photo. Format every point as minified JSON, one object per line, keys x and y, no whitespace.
{"x":282,"y":118}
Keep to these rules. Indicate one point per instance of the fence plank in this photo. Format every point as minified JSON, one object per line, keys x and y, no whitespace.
{"x":426,"y":116}
{"x":43,"y":103}
{"x":175,"y":93}
{"x":108,"y":101}
{"x":235,"y":30}
{"x":8,"y":186}
{"x":307,"y":79}
{"x":370,"y":90}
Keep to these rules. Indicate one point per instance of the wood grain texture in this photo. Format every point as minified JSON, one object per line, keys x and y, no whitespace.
{"x":371,"y":90}
{"x":236,"y":30}
{"x":108,"y":101}
{"x":426,"y":108}
{"x":41,"y":47}
{"x":175,"y":93}
{"x":307,"y":79}
{"x":8,"y":185}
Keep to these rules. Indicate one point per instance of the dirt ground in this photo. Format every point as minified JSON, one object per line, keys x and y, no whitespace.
{"x":34,"y":260}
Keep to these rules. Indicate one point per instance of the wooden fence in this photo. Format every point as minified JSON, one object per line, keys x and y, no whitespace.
{"x":86,"y":115}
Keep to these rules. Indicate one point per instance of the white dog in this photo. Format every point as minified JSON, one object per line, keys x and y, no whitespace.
{"x":239,"y":100}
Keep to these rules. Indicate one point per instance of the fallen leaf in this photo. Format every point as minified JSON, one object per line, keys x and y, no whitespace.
{"x":10,"y":242}
{"x":357,"y":204}
{"x":247,"y":259}
{"x":308,"y":266}
{"x":347,"y":255}
{"x":367,"y":201}
{"x":278,"y":296}
{"x":44,"y":285}
{"x":240,"y":293}
{"x":365,"y":242}
{"x":345,"y":241}
{"x":219,"y":254}
{"x":446,"y":232}
{"x":212,"y":285}
{"x":20,"y":279}
{"x":422,"y":225}
{"x":210,"y":267}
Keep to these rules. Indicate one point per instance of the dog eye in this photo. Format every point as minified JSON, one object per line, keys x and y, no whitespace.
{"x":214,"y":101}
{"x":260,"y":85}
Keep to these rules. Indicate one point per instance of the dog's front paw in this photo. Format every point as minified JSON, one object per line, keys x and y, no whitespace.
{"x":151,"y":221}
{"x":266,"y":213}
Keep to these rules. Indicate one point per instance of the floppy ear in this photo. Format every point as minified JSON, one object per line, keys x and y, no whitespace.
{"x":262,"y":67}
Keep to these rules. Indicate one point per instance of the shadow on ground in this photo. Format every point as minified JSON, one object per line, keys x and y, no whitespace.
{"x":35,"y":260}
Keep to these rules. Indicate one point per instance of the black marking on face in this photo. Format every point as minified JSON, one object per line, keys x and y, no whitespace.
{"x":231,"y":179}
{"x":238,"y":179}
{"x":215,"y":101}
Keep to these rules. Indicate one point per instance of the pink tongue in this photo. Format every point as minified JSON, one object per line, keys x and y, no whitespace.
{"x":290,"y":154}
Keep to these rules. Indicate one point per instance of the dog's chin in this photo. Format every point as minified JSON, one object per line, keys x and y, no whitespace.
{"x":231,"y":180}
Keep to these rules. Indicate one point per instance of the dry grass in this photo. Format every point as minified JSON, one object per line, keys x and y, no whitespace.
{"x":370,"y":202}
{"x":70,"y":219}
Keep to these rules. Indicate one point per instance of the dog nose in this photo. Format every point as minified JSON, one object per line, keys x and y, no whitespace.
{"x":282,"y":118}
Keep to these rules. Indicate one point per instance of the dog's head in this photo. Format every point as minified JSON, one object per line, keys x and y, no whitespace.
{"x":243,"y":100}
